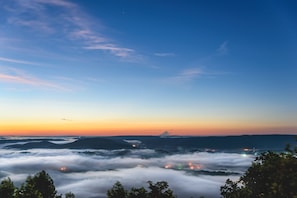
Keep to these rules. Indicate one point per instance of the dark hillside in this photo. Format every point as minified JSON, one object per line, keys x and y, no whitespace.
{"x":171,"y":143}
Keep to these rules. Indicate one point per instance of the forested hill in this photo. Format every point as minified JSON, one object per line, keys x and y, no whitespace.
{"x":169,"y":143}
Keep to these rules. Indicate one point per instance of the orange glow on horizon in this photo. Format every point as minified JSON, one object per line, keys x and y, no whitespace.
{"x":114,"y":128}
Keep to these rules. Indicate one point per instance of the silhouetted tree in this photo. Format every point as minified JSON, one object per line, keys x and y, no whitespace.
{"x":138,"y":193}
{"x":41,"y":185}
{"x":7,"y":188}
{"x":272,"y":175}
{"x":27,"y":190}
{"x":157,"y":190}
{"x":117,"y":191}
{"x":160,"y":190}
{"x":69,"y":195}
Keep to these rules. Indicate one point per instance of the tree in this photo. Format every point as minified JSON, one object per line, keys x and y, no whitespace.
{"x":39,"y":186}
{"x":69,"y":195}
{"x":157,"y":190}
{"x":7,"y":188}
{"x":160,"y":190}
{"x":27,"y":190}
{"x":117,"y":191}
{"x":138,"y":193}
{"x":272,"y":175}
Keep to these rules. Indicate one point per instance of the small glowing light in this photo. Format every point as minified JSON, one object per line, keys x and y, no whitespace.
{"x":193,"y":166}
{"x":63,"y":169}
{"x":133,"y":145}
{"x":167,"y":166}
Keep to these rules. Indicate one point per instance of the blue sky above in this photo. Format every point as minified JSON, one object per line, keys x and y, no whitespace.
{"x":226,"y":61}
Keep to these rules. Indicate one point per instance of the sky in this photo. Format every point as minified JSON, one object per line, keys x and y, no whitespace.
{"x":126,"y":67}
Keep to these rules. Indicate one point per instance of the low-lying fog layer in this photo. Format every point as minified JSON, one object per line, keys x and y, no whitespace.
{"x":90,"y":173}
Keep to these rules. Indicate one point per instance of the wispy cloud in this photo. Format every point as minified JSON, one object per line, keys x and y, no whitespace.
{"x":117,"y":51}
{"x":65,"y":119}
{"x":164,"y":54}
{"x":188,"y":75}
{"x":62,"y":3}
{"x":3,"y":59}
{"x":184,"y":76}
{"x":13,"y":75}
{"x":87,"y":35}
{"x":223,"y":48}
{"x":69,"y":22}
{"x":34,"y":24}
{"x":192,"y":74}
{"x":29,"y":81}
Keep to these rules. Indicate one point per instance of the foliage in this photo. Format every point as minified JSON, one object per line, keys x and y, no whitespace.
{"x":117,"y":191}
{"x":69,"y":195}
{"x":137,"y":193}
{"x":27,"y":190}
{"x":7,"y":188}
{"x":40,"y":185}
{"x":157,"y":190}
{"x":272,"y":175}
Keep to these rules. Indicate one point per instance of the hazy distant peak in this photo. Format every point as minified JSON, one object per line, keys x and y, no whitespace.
{"x":165,"y":134}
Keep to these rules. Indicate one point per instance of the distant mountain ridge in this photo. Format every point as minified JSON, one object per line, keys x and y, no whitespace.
{"x":168,"y":143}
{"x":81,"y":143}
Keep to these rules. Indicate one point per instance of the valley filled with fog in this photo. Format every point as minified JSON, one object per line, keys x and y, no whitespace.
{"x":89,"y":173}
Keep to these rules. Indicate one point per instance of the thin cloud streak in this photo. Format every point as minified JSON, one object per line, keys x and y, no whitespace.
{"x":191,"y":74}
{"x":34,"y":24}
{"x":87,"y":35}
{"x":73,"y":24}
{"x":187,"y":75}
{"x":62,"y":3}
{"x":223,"y":48}
{"x":13,"y":75}
{"x":67,"y":120}
{"x":117,"y":51}
{"x":18,"y":61}
{"x":28,"y":81}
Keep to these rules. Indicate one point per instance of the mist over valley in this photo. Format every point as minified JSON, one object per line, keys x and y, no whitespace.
{"x":89,"y":166}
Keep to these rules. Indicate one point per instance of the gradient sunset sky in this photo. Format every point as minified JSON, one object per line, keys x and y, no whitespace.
{"x":115,"y":67}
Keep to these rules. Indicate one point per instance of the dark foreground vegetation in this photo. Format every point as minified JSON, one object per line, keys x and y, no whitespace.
{"x":40,"y":185}
{"x":272,"y":175}
{"x":157,"y":190}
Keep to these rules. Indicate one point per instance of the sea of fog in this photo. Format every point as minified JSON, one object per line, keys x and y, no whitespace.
{"x":89,"y":173}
